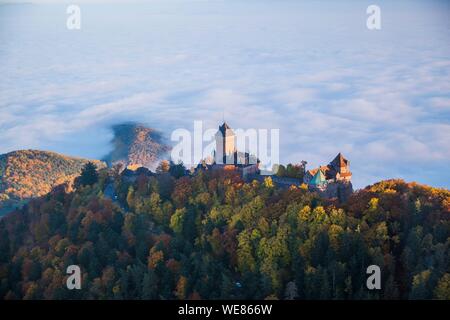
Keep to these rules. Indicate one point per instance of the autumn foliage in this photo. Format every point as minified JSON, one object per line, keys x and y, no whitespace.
{"x":212,"y":236}
{"x":31,"y":173}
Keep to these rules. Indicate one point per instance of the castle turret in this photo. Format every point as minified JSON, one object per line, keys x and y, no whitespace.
{"x":318,"y":180}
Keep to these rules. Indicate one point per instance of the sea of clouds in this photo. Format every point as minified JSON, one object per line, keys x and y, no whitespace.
{"x":311,"y":69}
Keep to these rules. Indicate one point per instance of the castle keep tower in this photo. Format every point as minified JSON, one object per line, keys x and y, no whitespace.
{"x":225,"y":145}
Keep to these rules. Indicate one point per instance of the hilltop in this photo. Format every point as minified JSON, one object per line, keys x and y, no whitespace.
{"x":26,"y":174}
{"x":136,"y":145}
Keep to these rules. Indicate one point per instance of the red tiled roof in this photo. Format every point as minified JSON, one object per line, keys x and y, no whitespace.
{"x":324,"y":169}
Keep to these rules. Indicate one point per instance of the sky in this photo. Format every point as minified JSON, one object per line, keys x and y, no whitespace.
{"x":309,"y":68}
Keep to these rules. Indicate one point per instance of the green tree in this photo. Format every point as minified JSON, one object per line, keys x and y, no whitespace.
{"x":281,"y":172}
{"x":246,"y":261}
{"x":88,"y":176}
{"x":149,"y":286}
{"x":442,"y":290}
{"x":177,"y":220}
{"x":177,"y":170}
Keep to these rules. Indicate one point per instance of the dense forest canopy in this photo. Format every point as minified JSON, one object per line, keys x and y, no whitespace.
{"x":212,"y":236}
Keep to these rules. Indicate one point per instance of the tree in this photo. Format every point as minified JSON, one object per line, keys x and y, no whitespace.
{"x":181,"y":288}
{"x":250,"y":211}
{"x":88,"y":176}
{"x":155,"y":258}
{"x":130,"y":197}
{"x":177,"y":170}
{"x":183,"y":189}
{"x":293,"y":171}
{"x":149,"y":286}
{"x":246,"y":261}
{"x":420,"y":285}
{"x":177,"y":220}
{"x":291,"y":291}
{"x":442,"y":290}
{"x":32,"y":291}
{"x":281,"y":172}
{"x":215,"y":241}
{"x":268,"y":183}
{"x":164,"y":166}
{"x":117,"y":168}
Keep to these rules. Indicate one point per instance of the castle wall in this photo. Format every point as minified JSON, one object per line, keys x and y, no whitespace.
{"x":340,"y":190}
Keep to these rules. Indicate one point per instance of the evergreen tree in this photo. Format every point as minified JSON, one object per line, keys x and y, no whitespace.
{"x":88,"y":176}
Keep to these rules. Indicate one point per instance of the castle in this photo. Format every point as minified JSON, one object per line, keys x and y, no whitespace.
{"x":330,"y":181}
{"x":336,"y":171}
{"x":227,"y":157}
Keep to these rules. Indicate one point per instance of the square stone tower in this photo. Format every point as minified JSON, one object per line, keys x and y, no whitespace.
{"x":225,"y":145}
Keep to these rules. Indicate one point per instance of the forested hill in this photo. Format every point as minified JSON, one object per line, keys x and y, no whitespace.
{"x":31,"y":173}
{"x":211,"y":236}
